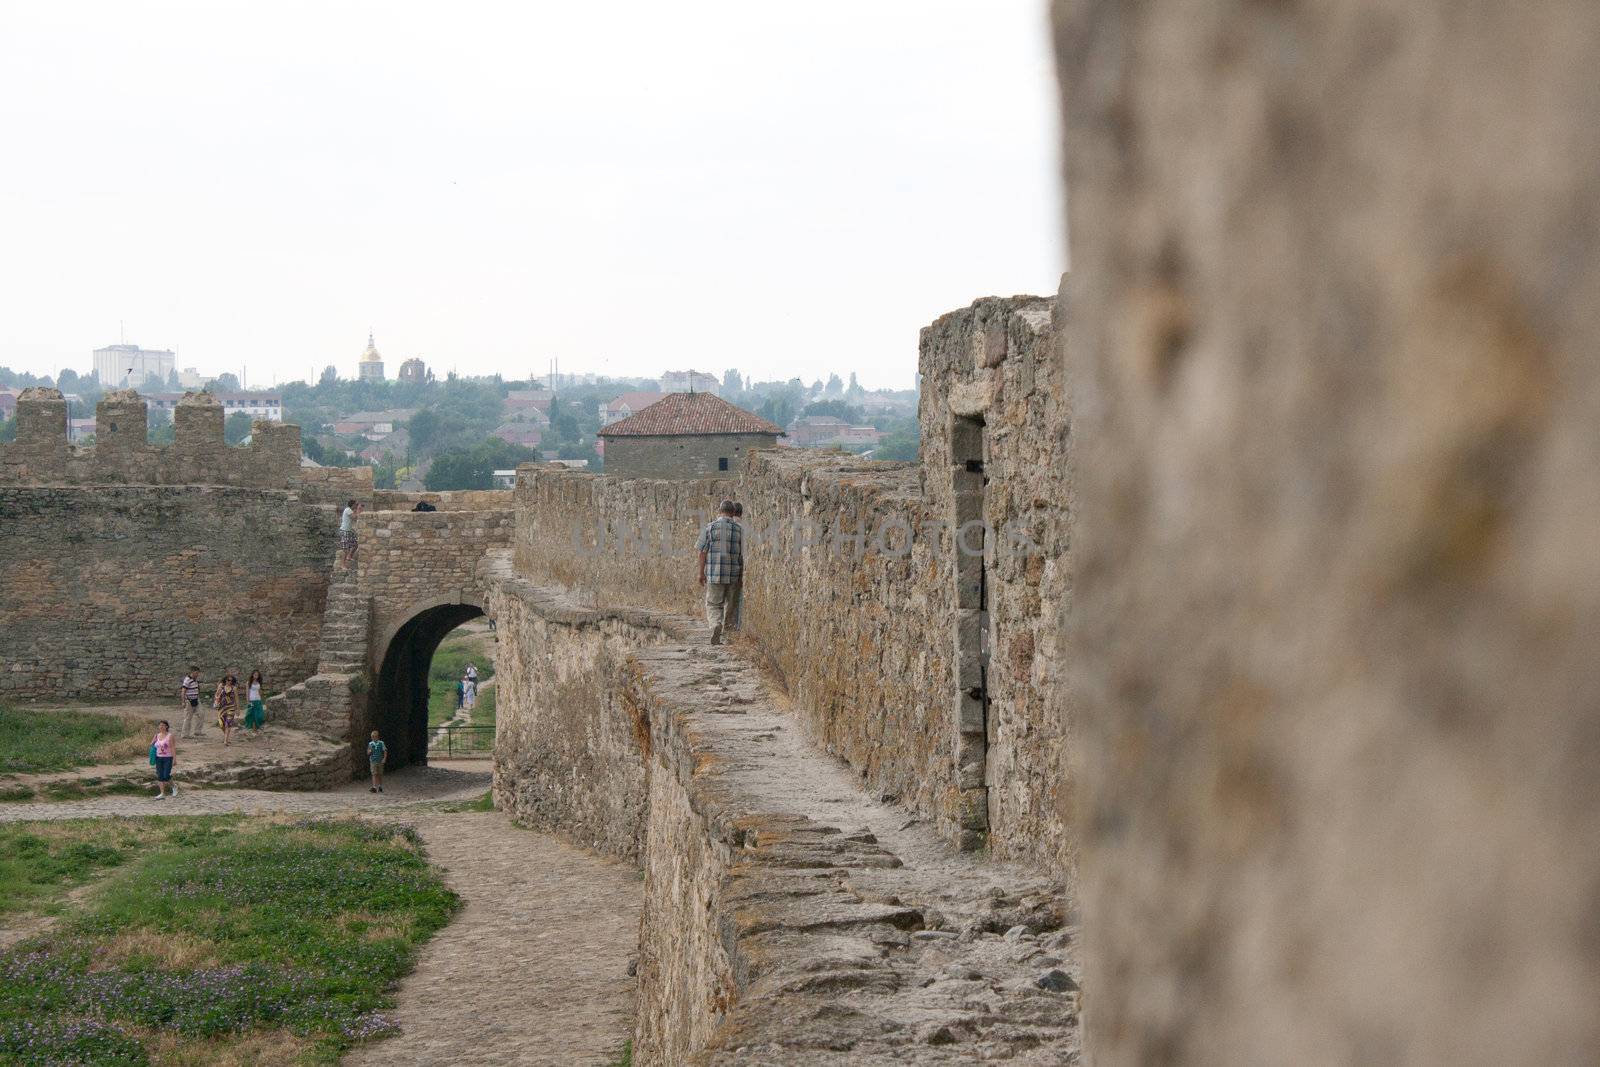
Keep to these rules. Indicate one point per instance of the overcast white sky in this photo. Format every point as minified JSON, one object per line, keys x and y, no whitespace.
{"x":628,"y":186}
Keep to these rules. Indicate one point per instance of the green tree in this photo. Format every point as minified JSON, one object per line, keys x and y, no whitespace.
{"x":426,"y":427}
{"x":564,"y":427}
{"x":8,"y":431}
{"x":473,"y":468}
{"x":161,"y":431}
{"x":236,"y":427}
{"x":901,"y":444}
{"x":837,"y":408}
{"x":223,"y":383}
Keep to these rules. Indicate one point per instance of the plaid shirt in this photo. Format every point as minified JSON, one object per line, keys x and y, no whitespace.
{"x":723,"y":543}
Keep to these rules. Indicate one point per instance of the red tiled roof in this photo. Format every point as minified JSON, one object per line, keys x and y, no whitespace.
{"x":680,"y":414}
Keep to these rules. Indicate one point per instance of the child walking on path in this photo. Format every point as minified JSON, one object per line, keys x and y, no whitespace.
{"x":161,"y":753}
{"x":256,"y":715}
{"x":377,"y":755}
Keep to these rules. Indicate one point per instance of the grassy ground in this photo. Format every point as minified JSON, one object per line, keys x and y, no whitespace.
{"x":33,"y":742}
{"x":213,"y":940}
{"x":449,"y":664}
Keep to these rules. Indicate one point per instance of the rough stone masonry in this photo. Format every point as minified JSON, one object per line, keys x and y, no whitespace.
{"x":125,"y":562}
{"x":1335,"y":357}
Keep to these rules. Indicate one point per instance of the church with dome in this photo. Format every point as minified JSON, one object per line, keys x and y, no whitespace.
{"x":371,"y":368}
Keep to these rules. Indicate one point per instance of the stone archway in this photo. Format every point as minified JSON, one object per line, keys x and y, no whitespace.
{"x":398,"y":705}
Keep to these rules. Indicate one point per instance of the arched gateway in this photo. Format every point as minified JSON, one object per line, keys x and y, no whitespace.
{"x":418,"y":576}
{"x":398,"y":706}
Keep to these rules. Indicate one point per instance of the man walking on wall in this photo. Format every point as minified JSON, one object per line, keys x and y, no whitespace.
{"x":721,"y":548}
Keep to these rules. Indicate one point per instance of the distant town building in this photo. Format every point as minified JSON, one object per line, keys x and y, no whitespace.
{"x":413,"y":370}
{"x":79,"y":429}
{"x":690,"y":381}
{"x":375,"y":425}
{"x":821,"y":431}
{"x":685,"y":435}
{"x":522,"y":399}
{"x":530,"y":415}
{"x":117,"y":366}
{"x":266,"y":406}
{"x":371,"y":367}
{"x":887,"y":402}
{"x":191,"y":378}
{"x":625,"y":405}
{"x":505,"y":479}
{"x":8,"y":403}
{"x":519,"y":433}
{"x":396,"y":444}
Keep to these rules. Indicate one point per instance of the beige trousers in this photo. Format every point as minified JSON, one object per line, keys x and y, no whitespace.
{"x":722,"y":608}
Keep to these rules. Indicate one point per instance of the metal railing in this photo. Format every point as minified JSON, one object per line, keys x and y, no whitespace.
{"x":459,"y":741}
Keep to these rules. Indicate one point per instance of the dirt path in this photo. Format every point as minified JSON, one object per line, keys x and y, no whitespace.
{"x":403,"y":789}
{"x":203,"y":755}
{"x":535,"y":968}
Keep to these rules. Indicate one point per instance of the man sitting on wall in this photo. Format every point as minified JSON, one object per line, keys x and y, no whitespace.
{"x":721,"y":548}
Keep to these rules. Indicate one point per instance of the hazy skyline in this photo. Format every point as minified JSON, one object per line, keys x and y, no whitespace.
{"x":628,"y":187}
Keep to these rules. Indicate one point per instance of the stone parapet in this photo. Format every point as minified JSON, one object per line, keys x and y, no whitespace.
{"x":569,"y":755}
{"x":122,"y":454}
{"x":791,"y":919}
{"x":455,"y":500}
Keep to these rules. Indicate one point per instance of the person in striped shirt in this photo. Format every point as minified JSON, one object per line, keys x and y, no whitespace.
{"x":189,"y":702}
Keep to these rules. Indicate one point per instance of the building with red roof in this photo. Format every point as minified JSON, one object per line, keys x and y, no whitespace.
{"x":685,"y":435}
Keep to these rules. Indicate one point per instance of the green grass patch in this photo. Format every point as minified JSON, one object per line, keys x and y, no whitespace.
{"x":625,"y":1056}
{"x":40,"y":861}
{"x":33,"y":742}
{"x":224,"y":940}
{"x":483,"y":803}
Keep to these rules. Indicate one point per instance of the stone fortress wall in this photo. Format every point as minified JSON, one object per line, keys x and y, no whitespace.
{"x":857,"y":599}
{"x":902,"y":684}
{"x":1335,"y":350}
{"x":110,"y":592}
{"x":126,"y":562}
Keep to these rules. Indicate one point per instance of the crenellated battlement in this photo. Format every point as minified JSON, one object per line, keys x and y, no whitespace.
{"x":123,"y":455}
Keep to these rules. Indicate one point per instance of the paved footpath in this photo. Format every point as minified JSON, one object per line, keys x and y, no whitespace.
{"x":534,"y":969}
